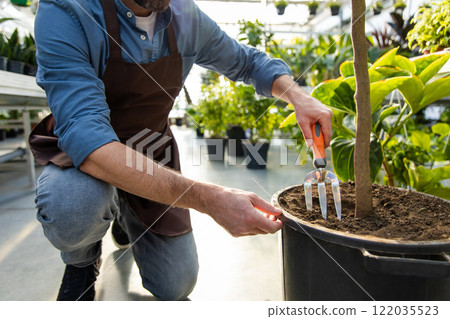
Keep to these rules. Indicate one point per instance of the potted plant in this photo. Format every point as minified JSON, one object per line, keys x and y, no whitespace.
{"x":3,"y":53}
{"x":377,"y":7}
{"x":312,"y":7}
{"x":399,"y":6}
{"x":335,"y":7}
{"x":259,"y":120}
{"x":403,"y":256}
{"x":29,"y":55}
{"x":431,"y":30}
{"x":15,"y":53}
{"x":24,"y":3}
{"x":281,"y":6}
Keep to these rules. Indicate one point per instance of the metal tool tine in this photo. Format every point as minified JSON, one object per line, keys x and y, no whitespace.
{"x":323,"y":199}
{"x":337,"y":198}
{"x":308,"y":196}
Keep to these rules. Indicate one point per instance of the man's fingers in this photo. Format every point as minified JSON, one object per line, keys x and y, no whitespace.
{"x":264,"y":206}
{"x":325,"y":124}
{"x":268,"y":226}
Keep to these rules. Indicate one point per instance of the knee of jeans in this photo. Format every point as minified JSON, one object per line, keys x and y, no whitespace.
{"x":73,"y":207}
{"x":175,"y":287}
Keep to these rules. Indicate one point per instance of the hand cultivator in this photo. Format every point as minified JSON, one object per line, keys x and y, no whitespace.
{"x":321,"y":177}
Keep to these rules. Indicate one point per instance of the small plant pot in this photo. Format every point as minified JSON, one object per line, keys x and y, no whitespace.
{"x":215,"y":148}
{"x":3,"y":63}
{"x":199,"y":132}
{"x":2,"y":135}
{"x":257,"y":157}
{"x":312,"y":10}
{"x":235,"y":135}
{"x":335,"y":10}
{"x":30,"y":69}
{"x":301,"y":81}
{"x":179,"y":122}
{"x":324,"y":264}
{"x":376,"y":11}
{"x":10,"y":133}
{"x":16,"y":66}
{"x":280,"y":10}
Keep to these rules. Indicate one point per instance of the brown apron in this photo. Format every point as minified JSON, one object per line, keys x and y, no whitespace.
{"x":137,"y":102}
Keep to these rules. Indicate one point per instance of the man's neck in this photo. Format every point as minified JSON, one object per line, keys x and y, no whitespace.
{"x":136,"y":9}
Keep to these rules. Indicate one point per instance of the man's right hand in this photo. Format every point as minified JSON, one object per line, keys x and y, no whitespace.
{"x":242,"y":213}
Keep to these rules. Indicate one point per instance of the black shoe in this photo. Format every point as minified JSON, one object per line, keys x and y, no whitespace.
{"x":119,"y":236}
{"x":78,"y":283}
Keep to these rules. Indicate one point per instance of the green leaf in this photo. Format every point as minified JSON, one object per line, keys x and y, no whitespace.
{"x":379,"y":90}
{"x":421,"y":139}
{"x":337,"y":94}
{"x":442,"y":129}
{"x":405,"y":64}
{"x":434,"y":91}
{"x":388,"y":111}
{"x":442,"y":192}
{"x":342,"y":151}
{"x":289,"y":120}
{"x":423,"y":62}
{"x":433,"y":68}
{"x":346,"y":69}
{"x":412,"y":91}
{"x":386,"y":59}
{"x":424,"y":179}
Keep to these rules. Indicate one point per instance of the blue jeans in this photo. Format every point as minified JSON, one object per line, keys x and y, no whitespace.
{"x":76,"y":209}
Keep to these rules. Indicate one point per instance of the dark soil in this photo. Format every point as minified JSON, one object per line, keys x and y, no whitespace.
{"x":398,"y":213}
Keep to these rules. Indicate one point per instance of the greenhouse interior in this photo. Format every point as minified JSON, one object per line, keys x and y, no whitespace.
{"x":313,"y":137}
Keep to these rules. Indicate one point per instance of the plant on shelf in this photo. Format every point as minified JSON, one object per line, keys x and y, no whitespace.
{"x":15,"y":53}
{"x":24,"y":3}
{"x":312,"y":7}
{"x":29,"y":55}
{"x":253,"y":34}
{"x":377,"y":7}
{"x":281,"y":6}
{"x":431,"y":31}
{"x":335,"y":7}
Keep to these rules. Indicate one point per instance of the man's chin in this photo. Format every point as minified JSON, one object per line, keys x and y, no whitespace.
{"x":154,"y":5}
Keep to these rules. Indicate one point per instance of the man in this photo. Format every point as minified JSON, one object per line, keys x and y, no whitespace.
{"x":111,"y":69}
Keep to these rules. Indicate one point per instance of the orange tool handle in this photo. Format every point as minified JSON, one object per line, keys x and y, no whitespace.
{"x":320,"y":160}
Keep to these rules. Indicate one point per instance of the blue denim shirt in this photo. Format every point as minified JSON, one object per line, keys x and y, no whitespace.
{"x":72,"y":50}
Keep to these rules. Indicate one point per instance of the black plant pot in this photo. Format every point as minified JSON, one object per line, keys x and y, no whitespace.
{"x":12,"y":132}
{"x":280,"y":10}
{"x":235,"y":135}
{"x":2,"y":135}
{"x":258,"y":160}
{"x":376,"y":11}
{"x":216,"y":148}
{"x":335,"y":10}
{"x":3,"y":63}
{"x":16,"y":66}
{"x":199,"y":132}
{"x":312,"y":10}
{"x":301,"y":81}
{"x":30,"y":69}
{"x":385,"y":269}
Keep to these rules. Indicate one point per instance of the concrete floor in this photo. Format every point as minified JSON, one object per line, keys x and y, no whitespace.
{"x":230,"y":268}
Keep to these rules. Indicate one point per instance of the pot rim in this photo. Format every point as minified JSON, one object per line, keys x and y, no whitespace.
{"x":359,"y":241}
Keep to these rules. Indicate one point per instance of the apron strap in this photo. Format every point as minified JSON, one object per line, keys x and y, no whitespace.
{"x":172,"y":39}
{"x":113,"y":30}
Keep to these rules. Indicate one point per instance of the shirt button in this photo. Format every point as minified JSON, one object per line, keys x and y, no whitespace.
{"x":143,"y":37}
{"x":129,"y":14}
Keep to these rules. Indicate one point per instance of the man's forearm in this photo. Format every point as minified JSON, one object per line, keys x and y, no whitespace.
{"x":108,"y":163}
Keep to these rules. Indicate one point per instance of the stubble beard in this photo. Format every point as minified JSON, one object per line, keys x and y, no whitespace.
{"x":154,"y":5}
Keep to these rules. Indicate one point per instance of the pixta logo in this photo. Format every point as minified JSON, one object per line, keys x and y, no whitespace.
{"x":148,"y":143}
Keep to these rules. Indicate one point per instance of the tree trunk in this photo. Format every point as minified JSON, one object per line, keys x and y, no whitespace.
{"x":363,"y":183}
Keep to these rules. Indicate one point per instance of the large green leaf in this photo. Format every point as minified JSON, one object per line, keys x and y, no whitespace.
{"x":404,"y":63}
{"x":421,"y":139}
{"x":423,"y":62}
{"x":343,"y":163}
{"x":336,"y":94}
{"x":346,"y":69}
{"x":386,"y":59}
{"x":289,"y":120}
{"x":434,"y":91}
{"x":442,"y":192}
{"x":442,"y":129}
{"x":380,"y":89}
{"x":433,"y":68}
{"x":412,"y":91}
{"x":380,"y":115}
{"x":424,"y":179}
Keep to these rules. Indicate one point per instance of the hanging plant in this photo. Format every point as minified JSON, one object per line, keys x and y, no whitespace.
{"x":312,"y":6}
{"x":281,"y":6}
{"x":335,"y":7}
{"x":377,"y":7}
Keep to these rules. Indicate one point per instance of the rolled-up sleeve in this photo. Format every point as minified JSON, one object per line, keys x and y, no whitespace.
{"x":218,"y":52}
{"x":75,"y":93}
